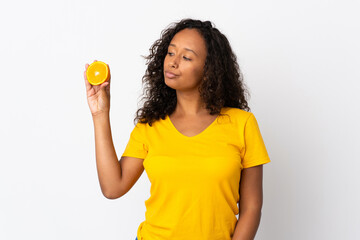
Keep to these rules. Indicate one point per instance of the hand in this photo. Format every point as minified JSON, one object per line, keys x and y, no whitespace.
{"x":98,"y":97}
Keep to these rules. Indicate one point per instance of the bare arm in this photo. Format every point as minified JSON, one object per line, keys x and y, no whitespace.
{"x":251,"y":199}
{"x":108,"y":167}
{"x":116,"y":178}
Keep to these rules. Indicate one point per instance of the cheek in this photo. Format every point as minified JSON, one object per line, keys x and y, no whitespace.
{"x":196,"y":72}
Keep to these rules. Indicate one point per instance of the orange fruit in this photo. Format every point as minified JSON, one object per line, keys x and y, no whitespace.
{"x":97,"y":73}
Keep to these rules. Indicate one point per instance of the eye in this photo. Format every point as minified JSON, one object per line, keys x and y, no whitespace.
{"x":187,"y":59}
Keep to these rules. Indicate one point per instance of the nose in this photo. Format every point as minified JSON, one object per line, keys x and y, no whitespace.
{"x":173,"y":62}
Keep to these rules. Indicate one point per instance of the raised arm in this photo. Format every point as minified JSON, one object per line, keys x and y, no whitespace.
{"x":115,"y":177}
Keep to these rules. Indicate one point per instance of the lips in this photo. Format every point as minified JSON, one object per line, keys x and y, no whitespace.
{"x":170,"y":74}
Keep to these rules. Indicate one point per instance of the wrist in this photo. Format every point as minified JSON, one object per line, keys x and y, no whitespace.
{"x":100,"y":115}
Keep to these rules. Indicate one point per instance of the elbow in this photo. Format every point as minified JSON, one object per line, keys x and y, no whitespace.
{"x":254,"y":208}
{"x":251,"y":205}
{"x":111,"y":194}
{"x":252,"y":211}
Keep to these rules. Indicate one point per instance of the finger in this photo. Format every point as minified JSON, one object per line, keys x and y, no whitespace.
{"x":86,"y":66}
{"x":103,"y":87}
{"x":107,"y":87}
{"x":104,"y":84}
{"x":87,"y":84}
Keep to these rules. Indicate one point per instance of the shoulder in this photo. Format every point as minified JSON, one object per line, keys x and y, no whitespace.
{"x":145,"y":127}
{"x":237,"y":113}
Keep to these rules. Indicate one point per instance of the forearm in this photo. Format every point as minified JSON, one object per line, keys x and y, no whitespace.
{"x":247,"y":225}
{"x":108,"y":166}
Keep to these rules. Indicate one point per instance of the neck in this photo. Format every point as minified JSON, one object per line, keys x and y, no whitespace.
{"x":189,"y":104}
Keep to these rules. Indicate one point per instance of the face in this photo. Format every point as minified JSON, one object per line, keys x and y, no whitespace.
{"x":186,"y":59}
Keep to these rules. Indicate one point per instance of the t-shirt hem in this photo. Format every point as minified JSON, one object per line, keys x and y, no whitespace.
{"x":133,"y":155}
{"x":256,"y":163}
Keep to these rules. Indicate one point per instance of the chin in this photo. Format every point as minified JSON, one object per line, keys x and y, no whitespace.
{"x":170,"y":84}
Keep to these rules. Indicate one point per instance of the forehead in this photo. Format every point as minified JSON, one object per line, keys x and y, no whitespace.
{"x":189,"y":38}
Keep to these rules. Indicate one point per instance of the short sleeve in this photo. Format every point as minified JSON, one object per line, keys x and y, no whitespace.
{"x":137,"y":146}
{"x":255,"y":150}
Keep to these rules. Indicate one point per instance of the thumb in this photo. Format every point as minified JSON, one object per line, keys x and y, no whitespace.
{"x":103,"y":86}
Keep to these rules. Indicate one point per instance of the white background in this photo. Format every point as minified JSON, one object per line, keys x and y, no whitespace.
{"x":300,"y":60}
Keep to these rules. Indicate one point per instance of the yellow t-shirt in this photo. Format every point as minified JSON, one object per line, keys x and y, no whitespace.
{"x":194,"y":180}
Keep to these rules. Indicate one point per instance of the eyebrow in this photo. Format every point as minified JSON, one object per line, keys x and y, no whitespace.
{"x":188,"y":49}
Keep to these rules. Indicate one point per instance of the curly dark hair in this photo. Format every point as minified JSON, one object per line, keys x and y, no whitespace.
{"x":224,"y":86}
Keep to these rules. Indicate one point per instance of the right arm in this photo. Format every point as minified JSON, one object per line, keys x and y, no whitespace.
{"x":116,"y":177}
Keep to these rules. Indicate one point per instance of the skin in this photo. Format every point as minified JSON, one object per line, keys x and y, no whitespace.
{"x":186,"y":58}
{"x":190,"y":118}
{"x":189,"y":66}
{"x":250,"y":204}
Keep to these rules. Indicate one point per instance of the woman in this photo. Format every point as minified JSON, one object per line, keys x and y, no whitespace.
{"x":195,"y":137}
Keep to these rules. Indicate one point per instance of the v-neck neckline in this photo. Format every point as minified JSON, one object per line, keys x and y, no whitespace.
{"x":197,"y":135}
